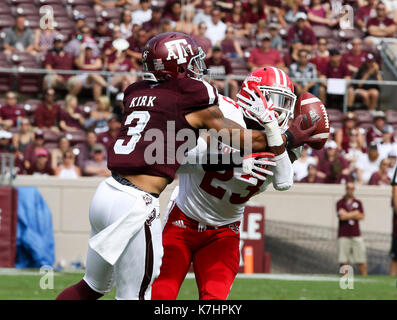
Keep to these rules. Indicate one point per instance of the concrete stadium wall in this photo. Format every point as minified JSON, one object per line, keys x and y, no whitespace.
{"x":309,"y":204}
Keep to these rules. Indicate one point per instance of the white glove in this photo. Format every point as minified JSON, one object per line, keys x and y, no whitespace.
{"x":255,"y":164}
{"x":258,"y":107}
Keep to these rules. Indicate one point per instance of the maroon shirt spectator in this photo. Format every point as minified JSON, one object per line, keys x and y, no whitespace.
{"x":106,"y":138}
{"x":381,"y":177}
{"x":47,"y":113}
{"x":355,"y":57}
{"x":29,"y":153}
{"x":375,"y":133}
{"x":202,"y":41}
{"x":58,"y":59}
{"x":71,"y":118}
{"x":41,"y":165}
{"x":381,"y":26}
{"x":265,"y":55}
{"x":219,"y":67}
{"x":333,"y":168}
{"x":254,"y":11}
{"x":335,"y":68}
{"x":137,"y":44}
{"x":11,"y":112}
{"x":351,"y":227}
{"x":365,"y":13}
{"x":153,"y":26}
{"x":302,"y":33}
{"x":312,"y":176}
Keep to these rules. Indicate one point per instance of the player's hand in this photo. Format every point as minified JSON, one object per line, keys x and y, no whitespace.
{"x":255,"y":165}
{"x":258,"y":107}
{"x":296,"y":136}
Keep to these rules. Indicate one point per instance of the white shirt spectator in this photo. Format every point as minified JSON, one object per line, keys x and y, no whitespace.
{"x":385,"y":149}
{"x":201,"y":17}
{"x":139,"y":16}
{"x":367,"y":167}
{"x":215,"y":32}
{"x":300,"y":167}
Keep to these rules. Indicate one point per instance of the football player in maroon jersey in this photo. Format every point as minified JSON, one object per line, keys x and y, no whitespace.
{"x":125,"y":247}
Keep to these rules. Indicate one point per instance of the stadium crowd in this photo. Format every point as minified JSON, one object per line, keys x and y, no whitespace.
{"x":61,"y":124}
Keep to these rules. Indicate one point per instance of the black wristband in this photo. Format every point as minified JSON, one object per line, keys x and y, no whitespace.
{"x":290,"y":139}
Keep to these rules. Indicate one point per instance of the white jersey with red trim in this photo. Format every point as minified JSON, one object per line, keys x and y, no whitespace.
{"x":218,"y":198}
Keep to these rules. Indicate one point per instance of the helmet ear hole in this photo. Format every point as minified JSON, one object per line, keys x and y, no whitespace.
{"x":181,"y":69}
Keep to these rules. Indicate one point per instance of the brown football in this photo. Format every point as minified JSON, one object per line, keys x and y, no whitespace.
{"x":313,"y":110}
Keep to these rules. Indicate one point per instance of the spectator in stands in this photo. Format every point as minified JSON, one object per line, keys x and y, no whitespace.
{"x":254,"y":10}
{"x":80,"y":41}
{"x":364,"y":13}
{"x":367,"y":93}
{"x":375,"y":133}
{"x":277,"y":41}
{"x":186,"y":24}
{"x":301,"y":31}
{"x":302,"y":163}
{"x":219,"y":66}
{"x":355,"y":57}
{"x":80,"y":23}
{"x":230,"y":46}
{"x":387,"y":145}
{"x":106,"y":138}
{"x":98,"y":117}
{"x":205,"y":14}
{"x":312,"y":176}
{"x":353,"y":151}
{"x":333,"y":168}
{"x":58,"y":152}
{"x":166,"y":26}
{"x":264,"y":55}
{"x":98,"y":165}
{"x":48,"y":112}
{"x":23,"y":137}
{"x":29,"y":153}
{"x":289,"y":11}
{"x":43,"y":40}
{"x":216,"y":29}
{"x":5,"y":141}
{"x":175,"y":12}
{"x":391,"y":8}
{"x":108,"y":49}
{"x":67,"y":169}
{"x":86,"y":148}
{"x":381,"y":176}
{"x":319,"y":13}
{"x":380,"y":27}
{"x":57,"y":59}
{"x":350,"y":123}
{"x":87,"y":61}
{"x":368,"y":164}
{"x":71,"y":118}
{"x":305,"y":72}
{"x":238,"y":19}
{"x":143,"y":14}
{"x":152,"y":27}
{"x":202,"y":41}
{"x":18,"y":38}
{"x":102,"y":32}
{"x":137,"y":44}
{"x":126,"y":23}
{"x":119,"y":62}
{"x":392,"y":160}
{"x":40,"y":166}
{"x":335,"y":69}
{"x":320,"y":57}
{"x":11,"y":113}
{"x":351,"y":246}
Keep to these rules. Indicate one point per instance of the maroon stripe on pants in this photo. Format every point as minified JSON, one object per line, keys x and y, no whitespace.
{"x":148,"y":263}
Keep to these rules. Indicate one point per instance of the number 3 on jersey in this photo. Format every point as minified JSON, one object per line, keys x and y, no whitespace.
{"x":134,"y":132}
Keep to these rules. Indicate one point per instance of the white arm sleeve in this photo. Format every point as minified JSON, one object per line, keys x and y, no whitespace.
{"x":283,"y":178}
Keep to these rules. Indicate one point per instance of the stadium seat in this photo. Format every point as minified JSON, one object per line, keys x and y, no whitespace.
{"x":30,"y":83}
{"x":323,"y":32}
{"x":86,"y":10}
{"x":59,"y":10}
{"x":391,"y":116}
{"x":64,"y":23}
{"x":16,"y":2}
{"x":6,"y":21}
{"x":32,"y":22}
{"x":74,"y":3}
{"x":50,"y":146}
{"x":348,"y":34}
{"x":22,"y":57}
{"x":5,"y":9}
{"x":25,"y":9}
{"x":366,"y":125}
{"x":51,"y":136}
{"x":45,"y":2}
{"x":111,"y":13}
{"x":78,"y":136}
{"x":336,"y":125}
{"x":335,"y":115}
{"x":363,"y":116}
{"x":6,"y":79}
{"x":30,"y":105}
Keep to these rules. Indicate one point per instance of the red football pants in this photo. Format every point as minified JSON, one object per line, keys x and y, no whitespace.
{"x":214,"y":252}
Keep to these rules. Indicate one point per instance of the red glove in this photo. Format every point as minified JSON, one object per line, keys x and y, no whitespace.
{"x":296,"y":136}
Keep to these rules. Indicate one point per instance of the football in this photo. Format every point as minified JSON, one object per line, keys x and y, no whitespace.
{"x":313,"y":110}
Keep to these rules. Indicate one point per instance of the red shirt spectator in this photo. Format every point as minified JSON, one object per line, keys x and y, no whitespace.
{"x":333,"y":168}
{"x":381,"y":25}
{"x":11,"y":112}
{"x":335,"y":68}
{"x":381,"y":177}
{"x":365,"y":13}
{"x":58,"y":59}
{"x":47,"y":113}
{"x":351,"y":227}
{"x":106,"y":138}
{"x":265,"y":55}
{"x":302,"y":33}
{"x":221,"y":67}
{"x":41,"y":165}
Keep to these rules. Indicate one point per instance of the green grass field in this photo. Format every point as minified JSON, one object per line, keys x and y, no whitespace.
{"x":26,"y":286}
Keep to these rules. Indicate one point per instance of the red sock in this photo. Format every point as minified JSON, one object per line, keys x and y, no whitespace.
{"x":79,"y":291}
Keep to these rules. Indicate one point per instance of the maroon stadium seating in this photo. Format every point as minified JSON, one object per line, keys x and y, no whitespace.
{"x":45,"y":2}
{"x":16,"y":2}
{"x":6,"y":21}
{"x":86,"y":10}
{"x":363,"y":116}
{"x":323,"y":32}
{"x":111,"y":13}
{"x":78,"y":136}
{"x":391,"y":116}
{"x":51,"y":136}
{"x":30,"y":106}
{"x":335,"y":115}
{"x":74,"y":3}
{"x":26,"y":9}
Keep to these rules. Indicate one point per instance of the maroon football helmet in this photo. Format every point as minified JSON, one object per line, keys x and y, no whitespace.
{"x":172,"y":55}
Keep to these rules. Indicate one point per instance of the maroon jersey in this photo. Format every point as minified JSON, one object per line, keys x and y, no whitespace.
{"x":162,"y":105}
{"x":349,"y":228}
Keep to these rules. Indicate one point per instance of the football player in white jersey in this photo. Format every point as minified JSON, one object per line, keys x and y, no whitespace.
{"x":203,"y":222}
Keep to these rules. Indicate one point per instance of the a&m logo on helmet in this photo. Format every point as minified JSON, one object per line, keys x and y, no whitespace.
{"x":180,"y":45}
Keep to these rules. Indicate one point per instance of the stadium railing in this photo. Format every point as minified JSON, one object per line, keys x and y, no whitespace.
{"x":107,"y":75}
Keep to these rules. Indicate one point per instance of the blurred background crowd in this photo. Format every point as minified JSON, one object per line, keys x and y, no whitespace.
{"x":61,"y":123}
